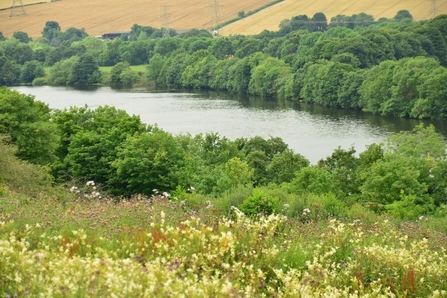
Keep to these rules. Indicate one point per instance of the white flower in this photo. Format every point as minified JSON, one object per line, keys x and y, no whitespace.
{"x":306,"y":210}
{"x":91,"y":182}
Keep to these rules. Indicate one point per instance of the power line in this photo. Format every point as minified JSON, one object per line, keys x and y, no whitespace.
{"x":165,"y":22}
{"x":13,"y":13}
{"x":215,"y":15}
{"x":434,"y":8}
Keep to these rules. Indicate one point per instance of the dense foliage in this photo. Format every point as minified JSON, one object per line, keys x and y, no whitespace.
{"x":390,"y":66}
{"x":405,"y":177}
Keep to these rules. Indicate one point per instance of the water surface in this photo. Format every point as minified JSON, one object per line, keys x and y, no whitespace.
{"x":312,"y":131}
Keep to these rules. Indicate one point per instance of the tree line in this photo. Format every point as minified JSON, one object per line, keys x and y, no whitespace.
{"x":390,"y":66}
{"x":405,"y":176}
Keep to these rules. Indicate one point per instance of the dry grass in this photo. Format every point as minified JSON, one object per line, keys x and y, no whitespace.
{"x":103,"y":16}
{"x":271,"y":17}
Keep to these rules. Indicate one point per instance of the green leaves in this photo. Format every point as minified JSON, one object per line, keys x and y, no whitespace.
{"x":86,"y":71}
{"x":27,"y":123}
{"x":149,"y":161}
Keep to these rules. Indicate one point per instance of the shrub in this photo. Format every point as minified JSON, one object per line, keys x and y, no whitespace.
{"x":39,"y":81}
{"x":260,"y":203}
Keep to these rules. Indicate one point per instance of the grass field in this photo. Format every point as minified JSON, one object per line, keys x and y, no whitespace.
{"x":271,"y":17}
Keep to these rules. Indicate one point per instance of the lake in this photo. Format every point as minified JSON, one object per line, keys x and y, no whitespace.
{"x":309,"y":130}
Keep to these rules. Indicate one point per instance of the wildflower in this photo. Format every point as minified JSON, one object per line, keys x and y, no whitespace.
{"x":306,"y":210}
{"x":165,"y":194}
{"x":73,"y":188}
{"x":90,"y":183}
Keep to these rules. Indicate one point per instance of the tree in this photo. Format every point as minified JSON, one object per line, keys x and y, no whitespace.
{"x":312,"y":180}
{"x":155,"y":66}
{"x":171,"y":74}
{"x":22,"y":53}
{"x":90,"y":140}
{"x":22,"y":36}
{"x":9,"y":72}
{"x":410,"y":174}
{"x":31,"y":70}
{"x":115,"y":75}
{"x":198,"y":74}
{"x":222,"y":47}
{"x":376,"y":87}
{"x":86,"y":71}
{"x":61,"y":74}
{"x":51,"y":30}
{"x":267,"y":77}
{"x":403,"y":15}
{"x":283,"y":166}
{"x":249,"y":46}
{"x":166,"y":46}
{"x":319,"y":22}
{"x":27,"y":123}
{"x":149,"y":161}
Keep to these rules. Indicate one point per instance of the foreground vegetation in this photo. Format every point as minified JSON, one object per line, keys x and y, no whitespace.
{"x":156,"y":246}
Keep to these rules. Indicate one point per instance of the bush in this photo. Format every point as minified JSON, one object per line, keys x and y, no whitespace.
{"x":21,"y":176}
{"x":39,"y":82}
{"x":260,"y":203}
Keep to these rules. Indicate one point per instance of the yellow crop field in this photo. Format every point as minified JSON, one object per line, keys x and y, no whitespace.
{"x":271,"y":17}
{"x":103,"y":16}
{"x":9,"y":3}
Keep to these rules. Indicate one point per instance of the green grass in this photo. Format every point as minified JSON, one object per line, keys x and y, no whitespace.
{"x":136,"y":68}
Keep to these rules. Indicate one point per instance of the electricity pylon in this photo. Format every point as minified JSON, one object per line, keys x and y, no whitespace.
{"x":165,"y":18}
{"x":215,"y":16}
{"x":16,"y":3}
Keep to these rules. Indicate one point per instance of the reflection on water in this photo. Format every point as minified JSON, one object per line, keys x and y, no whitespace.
{"x":310,"y":130}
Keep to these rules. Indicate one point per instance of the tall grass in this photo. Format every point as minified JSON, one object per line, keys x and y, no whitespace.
{"x":156,"y":247}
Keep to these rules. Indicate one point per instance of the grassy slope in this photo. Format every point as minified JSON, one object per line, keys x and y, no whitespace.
{"x":271,"y":17}
{"x":102,"y":16}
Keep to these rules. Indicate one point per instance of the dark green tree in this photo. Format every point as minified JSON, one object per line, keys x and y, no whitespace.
{"x":22,"y":36}
{"x":30,"y":71}
{"x":9,"y":72}
{"x":86,"y":71}
{"x":222,"y":47}
{"x":51,"y":31}
{"x":319,"y":22}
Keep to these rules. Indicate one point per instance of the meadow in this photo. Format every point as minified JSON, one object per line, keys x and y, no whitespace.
{"x":85,"y":244}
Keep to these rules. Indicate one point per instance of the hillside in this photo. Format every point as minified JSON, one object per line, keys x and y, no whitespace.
{"x":103,"y":16}
{"x":271,"y":17}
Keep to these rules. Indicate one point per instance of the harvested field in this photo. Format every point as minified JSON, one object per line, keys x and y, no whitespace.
{"x":5,"y":4}
{"x":271,"y":17}
{"x":103,"y":16}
